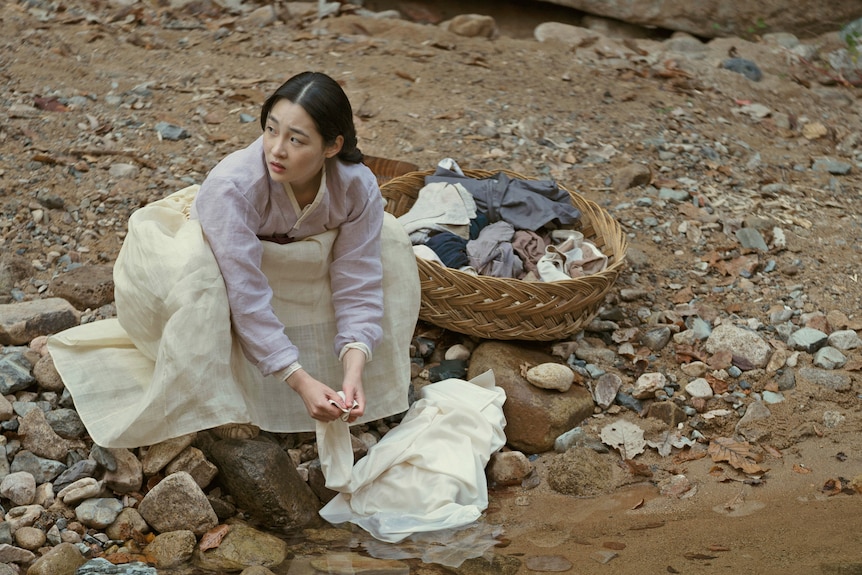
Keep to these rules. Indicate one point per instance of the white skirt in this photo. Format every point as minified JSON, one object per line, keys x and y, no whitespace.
{"x":170,"y":363}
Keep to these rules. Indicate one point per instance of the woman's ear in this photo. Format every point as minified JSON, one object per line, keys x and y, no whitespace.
{"x":335,"y":147}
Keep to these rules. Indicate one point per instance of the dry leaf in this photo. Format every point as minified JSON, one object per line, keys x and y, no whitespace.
{"x":627,"y":437}
{"x":213,"y":538}
{"x":737,"y":454}
{"x":699,"y":556}
{"x":668,"y":440}
{"x":799,"y":468}
{"x":832,"y":486}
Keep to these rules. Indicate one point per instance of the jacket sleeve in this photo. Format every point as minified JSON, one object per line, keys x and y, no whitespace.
{"x":356,"y":273}
{"x":230,"y":223}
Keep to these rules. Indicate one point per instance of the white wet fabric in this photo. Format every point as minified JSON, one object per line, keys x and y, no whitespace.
{"x":170,"y":364}
{"x":426,"y":474}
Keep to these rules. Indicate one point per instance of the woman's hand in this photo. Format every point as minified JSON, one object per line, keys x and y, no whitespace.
{"x":317,"y":396}
{"x":353,"y":364}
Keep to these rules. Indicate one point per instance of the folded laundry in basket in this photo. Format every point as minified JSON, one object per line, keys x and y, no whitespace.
{"x":443,"y":207}
{"x":574,"y":257}
{"x":526,"y":204}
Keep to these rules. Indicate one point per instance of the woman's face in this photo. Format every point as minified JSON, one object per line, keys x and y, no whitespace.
{"x":294,"y":149}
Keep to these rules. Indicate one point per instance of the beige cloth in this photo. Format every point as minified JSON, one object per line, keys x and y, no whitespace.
{"x":170,"y":365}
{"x":427,"y":474}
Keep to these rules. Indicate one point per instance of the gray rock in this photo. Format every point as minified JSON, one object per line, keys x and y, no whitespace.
{"x":44,"y":470}
{"x":743,"y":66}
{"x":193,"y":462}
{"x":244,"y":546}
{"x":835,"y":380}
{"x":259,"y":17}
{"x":751,"y":239}
{"x":81,"y":490}
{"x":748,"y":349}
{"x":647,"y":384}
{"x":577,"y":437}
{"x":508,"y":468}
{"x":159,"y":455}
{"x":807,"y":339}
{"x":30,"y":538}
{"x":534,"y":417}
{"x":171,"y":132}
{"x":19,"y":488}
{"x":64,"y":559}
{"x":172,"y":549}
{"x":129,"y":521}
{"x":23,"y":516}
{"x":829,"y":358}
{"x":46,"y":375}
{"x":564,"y":33}
{"x":605,"y":388}
{"x":85,"y":287}
{"x":656,"y":338}
{"x":13,"y":554}
{"x":98,"y":513}
{"x":832,"y":166}
{"x":7,"y":412}
{"x":101,"y":566}
{"x":845,"y":339}
{"x":121,"y":170}
{"x":699,"y":387}
{"x":667,"y":411}
{"x":22,"y":322}
{"x":66,"y":423}
{"x":752,"y":425}
{"x":176,"y":503}
{"x":721,"y":19}
{"x":473,"y":26}
{"x":264,"y":482}
{"x":787,"y":380}
{"x":39,"y":438}
{"x":15,"y":373}
{"x":79,"y":470}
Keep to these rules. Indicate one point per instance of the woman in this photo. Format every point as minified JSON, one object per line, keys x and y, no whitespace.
{"x":303,"y":176}
{"x":270,"y":296}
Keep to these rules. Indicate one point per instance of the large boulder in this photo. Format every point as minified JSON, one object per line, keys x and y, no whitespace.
{"x":741,"y":18}
{"x":535,"y":417}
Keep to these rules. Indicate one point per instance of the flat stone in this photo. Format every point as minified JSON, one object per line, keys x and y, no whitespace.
{"x":534,"y":417}
{"x":85,"y":287}
{"x":24,"y":321}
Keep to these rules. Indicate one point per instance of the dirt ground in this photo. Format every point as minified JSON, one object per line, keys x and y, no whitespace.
{"x":84,"y":84}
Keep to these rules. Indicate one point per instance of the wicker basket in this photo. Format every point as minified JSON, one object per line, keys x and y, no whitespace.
{"x":511,"y":309}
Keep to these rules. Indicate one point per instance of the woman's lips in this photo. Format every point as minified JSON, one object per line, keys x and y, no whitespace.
{"x":276,"y":167}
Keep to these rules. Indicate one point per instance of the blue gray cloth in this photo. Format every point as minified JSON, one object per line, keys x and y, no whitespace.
{"x":491,"y":254}
{"x":450,"y":248}
{"x":526,"y":204}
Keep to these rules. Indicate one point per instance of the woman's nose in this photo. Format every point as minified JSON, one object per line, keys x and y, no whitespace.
{"x":278,"y":148}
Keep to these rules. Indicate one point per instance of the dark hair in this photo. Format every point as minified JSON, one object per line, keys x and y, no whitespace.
{"x":327,"y":104}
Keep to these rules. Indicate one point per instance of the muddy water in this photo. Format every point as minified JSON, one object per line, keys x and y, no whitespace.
{"x":515,"y":18}
{"x":344,"y":549}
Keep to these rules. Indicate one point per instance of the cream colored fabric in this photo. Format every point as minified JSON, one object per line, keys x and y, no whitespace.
{"x":169,"y":364}
{"x":428,"y":473}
